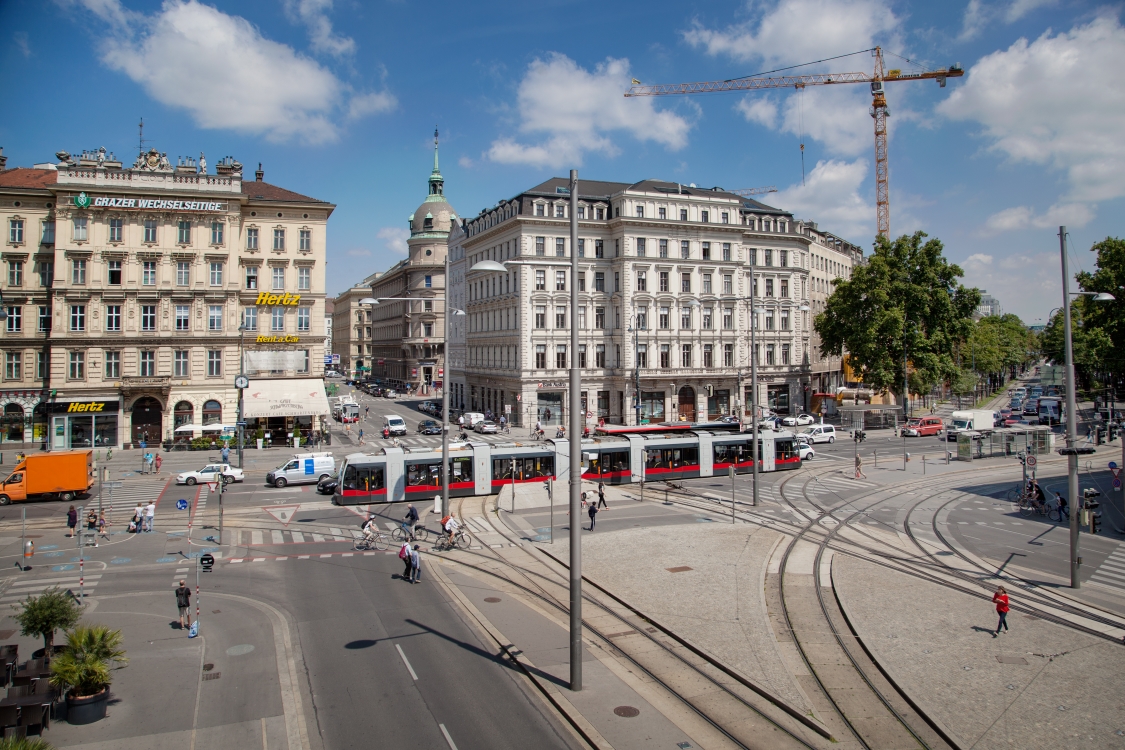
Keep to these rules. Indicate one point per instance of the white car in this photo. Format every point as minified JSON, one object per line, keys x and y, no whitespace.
{"x":210,"y":473}
{"x":806,"y":451}
{"x":805,"y":419}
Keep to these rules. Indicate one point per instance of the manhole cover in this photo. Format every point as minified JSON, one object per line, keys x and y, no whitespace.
{"x":212,"y":676}
{"x":492,"y":599}
{"x":208,"y":667}
{"x":680,"y":569}
{"x":627,"y":712}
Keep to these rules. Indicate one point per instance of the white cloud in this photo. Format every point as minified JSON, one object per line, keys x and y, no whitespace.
{"x":832,"y":197}
{"x":222,"y":70}
{"x":575,"y":110}
{"x":1021,"y":8}
{"x":837,"y":116}
{"x":394,"y":239}
{"x":21,"y":42}
{"x":973,"y":21}
{"x":1058,"y":101}
{"x":978,"y":261}
{"x":1024,"y":217}
{"x":314,"y":15}
{"x":796,"y":31}
{"x":978,"y":17}
{"x":759,"y":109}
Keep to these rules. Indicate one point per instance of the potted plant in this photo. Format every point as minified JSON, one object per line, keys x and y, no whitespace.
{"x":42,"y":615}
{"x":25,"y":743}
{"x":83,"y":670}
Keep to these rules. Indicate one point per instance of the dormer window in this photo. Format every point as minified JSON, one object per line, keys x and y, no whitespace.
{"x":560,"y":211}
{"x":540,"y":209}
{"x":428,"y":222}
{"x":581,"y":212}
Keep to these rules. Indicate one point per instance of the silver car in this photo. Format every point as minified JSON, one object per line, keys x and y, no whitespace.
{"x":487,"y":426}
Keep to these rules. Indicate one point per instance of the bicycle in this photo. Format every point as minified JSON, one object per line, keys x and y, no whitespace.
{"x":421,"y":534}
{"x":379,"y":541}
{"x":460,"y":541}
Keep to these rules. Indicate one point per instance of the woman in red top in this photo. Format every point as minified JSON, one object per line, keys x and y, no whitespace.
{"x":1001,"y":599}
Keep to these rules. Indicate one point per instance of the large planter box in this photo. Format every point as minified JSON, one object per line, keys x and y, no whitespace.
{"x":86,"y":710}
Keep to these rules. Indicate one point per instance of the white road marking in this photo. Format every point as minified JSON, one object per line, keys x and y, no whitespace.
{"x":411,"y":670}
{"x":447,"y":737}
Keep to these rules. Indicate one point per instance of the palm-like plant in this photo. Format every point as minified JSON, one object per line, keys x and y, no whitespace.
{"x":85,"y":664}
{"x":25,"y":743}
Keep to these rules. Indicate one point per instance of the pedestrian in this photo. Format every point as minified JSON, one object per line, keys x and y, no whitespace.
{"x":601,"y":496}
{"x":583,"y":498}
{"x":157,"y":461}
{"x":1001,"y":599}
{"x":1064,"y":510}
{"x":71,"y":521}
{"x":407,"y":560}
{"x":859,"y":468}
{"x":415,"y":565}
{"x":183,"y":602}
{"x":102,"y":523}
{"x":92,"y":521}
{"x":225,"y":453}
{"x":366,"y":412}
{"x":593,"y":511}
{"x":138,"y":519}
{"x":361,"y":436}
{"x":150,"y":514}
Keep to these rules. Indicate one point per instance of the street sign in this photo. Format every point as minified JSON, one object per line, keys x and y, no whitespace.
{"x":1117,"y":483}
{"x":212,"y":486}
{"x":181,"y":504}
{"x":207,"y":560}
{"x":1113,"y":464}
{"x":1032,"y":460}
{"x":239,"y":424}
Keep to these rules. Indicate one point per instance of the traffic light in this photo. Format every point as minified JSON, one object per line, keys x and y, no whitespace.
{"x":1089,"y":505}
{"x":1095,"y":523}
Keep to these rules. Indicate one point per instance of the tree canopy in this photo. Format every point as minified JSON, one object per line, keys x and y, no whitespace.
{"x":904,"y":302}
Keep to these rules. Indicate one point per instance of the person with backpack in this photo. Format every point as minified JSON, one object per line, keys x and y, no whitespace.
{"x":183,"y":602}
{"x":404,"y":555}
{"x":415,"y":565}
{"x":593,"y":511}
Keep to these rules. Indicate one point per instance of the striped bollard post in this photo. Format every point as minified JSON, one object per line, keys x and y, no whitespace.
{"x":81,"y":576}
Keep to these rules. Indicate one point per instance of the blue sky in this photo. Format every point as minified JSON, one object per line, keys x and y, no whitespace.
{"x":338,"y":99}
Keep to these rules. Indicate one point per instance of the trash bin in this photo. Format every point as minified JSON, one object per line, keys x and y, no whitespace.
{"x":259,"y":441}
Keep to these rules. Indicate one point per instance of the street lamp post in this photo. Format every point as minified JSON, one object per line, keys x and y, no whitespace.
{"x":635,"y":329}
{"x":575,"y":456}
{"x":241,"y":424}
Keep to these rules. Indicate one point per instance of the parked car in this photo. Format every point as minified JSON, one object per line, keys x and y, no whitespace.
{"x":429,"y":427}
{"x":921,"y":426}
{"x":211,"y":473}
{"x":427,"y":407}
{"x":486,"y":426}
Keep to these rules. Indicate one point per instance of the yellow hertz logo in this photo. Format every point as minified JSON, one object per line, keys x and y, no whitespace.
{"x":278,"y":340}
{"x":265,"y":298}
{"x":85,"y":407}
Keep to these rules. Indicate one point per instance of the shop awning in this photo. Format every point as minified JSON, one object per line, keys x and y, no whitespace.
{"x":285,"y":398}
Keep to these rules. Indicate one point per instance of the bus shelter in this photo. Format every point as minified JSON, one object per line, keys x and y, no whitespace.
{"x":869,"y":416}
{"x":1033,"y":440}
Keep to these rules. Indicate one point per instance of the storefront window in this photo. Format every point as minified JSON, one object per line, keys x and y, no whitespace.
{"x":212,"y":413}
{"x":718,"y":405}
{"x":12,"y":428}
{"x":777,"y":398}
{"x":549,"y":410}
{"x":652,"y":406}
{"x":181,"y":416}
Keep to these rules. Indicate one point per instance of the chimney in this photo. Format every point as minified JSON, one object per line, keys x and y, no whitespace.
{"x":3,"y":159}
{"x":259,"y":175}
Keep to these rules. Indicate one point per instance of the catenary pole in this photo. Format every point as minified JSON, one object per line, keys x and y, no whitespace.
{"x":575,"y":455}
{"x":1071,"y":419}
{"x":445,"y":399}
{"x":754,"y":383}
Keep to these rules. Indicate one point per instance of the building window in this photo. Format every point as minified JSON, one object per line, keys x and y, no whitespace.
{"x":683,"y":214}
{"x":728,"y":283}
{"x":685,"y":318}
{"x":642,"y":318}
{"x":304,"y":321}
{"x":560,"y":317}
{"x":728,"y":355}
{"x":560,"y":281}
{"x":429,"y":282}
{"x":685,"y":355}
{"x":560,"y":211}
{"x":708,"y":356}
{"x":663,"y":319}
{"x":40,"y":365}
{"x":251,"y":277}
{"x":252,"y":238}
{"x":427,"y":330}
{"x":150,"y":231}
{"x":44,"y":319}
{"x":582,"y":282}
{"x":277,"y":319}
{"x":304,"y":279}
{"x":708,"y":318}
{"x":769,"y":257}
{"x":114,"y":277}
{"x":183,"y":232}
{"x":183,"y":317}
{"x":148,"y":273}
{"x":600,"y":214}
{"x":540,"y":357}
{"x":180,"y":363}
{"x":15,"y":273}
{"x":705,"y":250}
{"x":706,"y":283}
{"x":769,"y":320}
{"x":642,"y":282}
{"x":685,"y":282}
{"x":769,"y":287}
{"x":306,"y":239}
{"x":15,"y":231}
{"x":77,"y":366}
{"x":560,"y":247}
{"x":112,"y":365}
{"x":148,"y":363}
{"x":217,"y":274}
{"x":704,"y":216}
{"x":581,"y":248}
{"x":49,"y":232}
{"x":428,"y":305}
{"x":725,"y":217}
{"x":599,"y":281}
{"x":785,"y":320}
{"x":642,"y":356}
{"x":13,"y":366}
{"x":15,"y":319}
{"x":560,"y":357}
{"x":661,"y":213}
{"x":279,"y":239}
{"x":726,"y":249}
{"x":540,"y":316}
{"x":664,"y":281}
{"x":540,"y":280}
{"x":214,"y":363}
{"x":304,"y":366}
{"x":663,"y":248}
{"x":785,"y":354}
{"x":599,"y":318}
{"x":599,"y":249}
{"x":665,"y":356}
{"x":641,"y":250}
{"x":640,"y":212}
{"x":216,"y":232}
{"x":753,"y":256}
{"x":728,"y":318}
{"x":78,"y":317}
{"x":540,"y":243}
{"x":214,"y":317}
{"x":116,"y":229}
{"x":783,"y":258}
{"x":250,"y":318}
{"x":113,"y":318}
{"x":78,"y":271}
{"x":278,"y":278}
{"x":80,"y":226}
{"x":581,"y":212}
{"x":785,"y":287}
{"x":148,"y":317}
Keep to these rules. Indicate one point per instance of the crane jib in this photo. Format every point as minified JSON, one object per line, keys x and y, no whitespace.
{"x":781,"y":82}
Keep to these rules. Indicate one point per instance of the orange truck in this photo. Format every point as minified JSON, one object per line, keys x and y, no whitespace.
{"x":58,"y":475}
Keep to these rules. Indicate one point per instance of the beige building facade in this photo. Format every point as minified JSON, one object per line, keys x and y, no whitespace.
{"x":136,"y":287}
{"x":832,"y":259}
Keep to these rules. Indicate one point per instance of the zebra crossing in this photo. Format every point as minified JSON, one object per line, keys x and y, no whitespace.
{"x":1112,"y":571}
{"x":20,"y":590}
{"x":263,"y":537}
{"x":126,"y":497}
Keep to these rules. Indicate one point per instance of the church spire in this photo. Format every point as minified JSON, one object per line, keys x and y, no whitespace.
{"x":437,"y":183}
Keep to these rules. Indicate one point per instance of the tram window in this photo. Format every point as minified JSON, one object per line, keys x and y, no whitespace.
{"x":526,"y":468}
{"x":671,"y":458}
{"x":423,"y":475}
{"x":785,"y":449}
{"x":608,"y":463}
{"x":363,"y":478}
{"x":461,"y":470}
{"x":501,"y":468}
{"x":733,"y":452}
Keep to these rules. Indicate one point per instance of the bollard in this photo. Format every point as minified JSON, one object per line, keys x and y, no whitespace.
{"x":876,"y":458}
{"x":923,"y":463}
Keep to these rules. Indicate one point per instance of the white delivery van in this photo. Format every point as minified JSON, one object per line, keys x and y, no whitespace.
{"x":394,"y":424}
{"x":820,"y":433}
{"x":471,"y":419}
{"x":304,"y":468}
{"x":978,"y":420}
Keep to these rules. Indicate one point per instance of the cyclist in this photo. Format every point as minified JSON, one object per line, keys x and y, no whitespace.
{"x":370,"y":530}
{"x":449,"y":523}
{"x":1037,"y":497}
{"x":409,"y":521}
{"x":538,"y":428}
{"x":561,"y":432}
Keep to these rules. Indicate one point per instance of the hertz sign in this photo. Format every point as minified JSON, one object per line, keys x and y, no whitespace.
{"x":265,"y":298}
{"x":86,"y":407}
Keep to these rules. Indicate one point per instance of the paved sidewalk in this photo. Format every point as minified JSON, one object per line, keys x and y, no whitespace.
{"x":1038,"y":686}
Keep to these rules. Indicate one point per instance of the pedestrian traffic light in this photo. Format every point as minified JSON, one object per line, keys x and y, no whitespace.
{"x":1095,"y":523}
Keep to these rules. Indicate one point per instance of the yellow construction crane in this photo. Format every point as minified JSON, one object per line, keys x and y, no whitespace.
{"x":878,"y":105}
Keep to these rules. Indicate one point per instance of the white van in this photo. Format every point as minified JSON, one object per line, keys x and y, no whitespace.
{"x":820,"y":433}
{"x":395,"y":425}
{"x":304,"y":468}
{"x":471,"y":419}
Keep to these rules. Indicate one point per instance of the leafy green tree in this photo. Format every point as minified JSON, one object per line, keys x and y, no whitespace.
{"x":1104,"y":322}
{"x":44,"y":614}
{"x":1093,"y":347}
{"x":903,"y":303}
